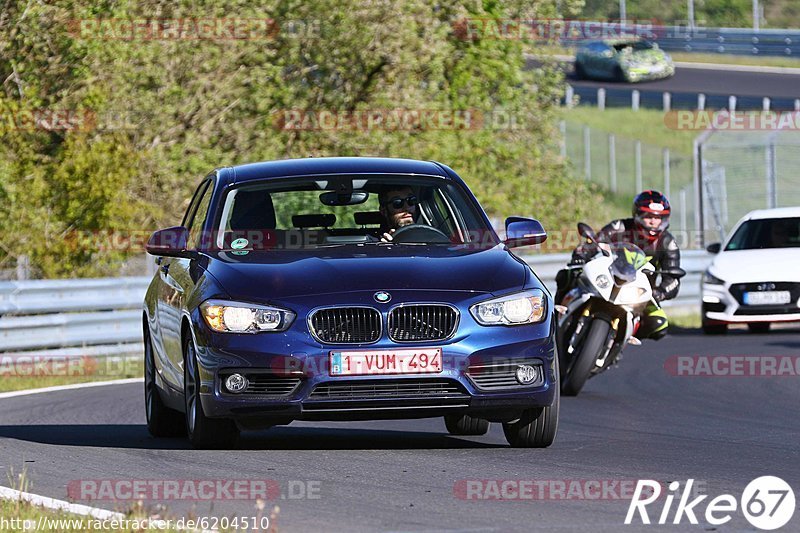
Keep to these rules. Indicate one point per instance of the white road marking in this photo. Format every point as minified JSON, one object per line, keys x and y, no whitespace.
{"x":59,"y":505}
{"x":26,"y":392}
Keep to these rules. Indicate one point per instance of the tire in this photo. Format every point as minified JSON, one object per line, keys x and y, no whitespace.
{"x":161,"y":420}
{"x":465,"y":425}
{"x":203,"y":432}
{"x":758,"y":327}
{"x":537,"y":427}
{"x":714,"y":329}
{"x":594,"y":341}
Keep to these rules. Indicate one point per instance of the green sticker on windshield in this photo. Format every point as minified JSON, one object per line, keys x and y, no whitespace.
{"x":634,"y":258}
{"x":238,"y":244}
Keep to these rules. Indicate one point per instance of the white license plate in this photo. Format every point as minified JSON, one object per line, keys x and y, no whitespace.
{"x":767,"y":298}
{"x":376,"y":362}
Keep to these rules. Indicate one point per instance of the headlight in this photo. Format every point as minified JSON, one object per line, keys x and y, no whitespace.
{"x":630,"y":294}
{"x":237,"y":317}
{"x":521,"y":308}
{"x":710,"y":279}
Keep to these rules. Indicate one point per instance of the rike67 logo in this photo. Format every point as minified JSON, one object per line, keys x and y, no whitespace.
{"x":767,"y":502}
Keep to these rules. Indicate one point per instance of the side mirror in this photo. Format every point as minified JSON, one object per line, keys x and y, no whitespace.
{"x":169,"y":242}
{"x":524,"y":232}
{"x":714,"y":248}
{"x":586,"y":231}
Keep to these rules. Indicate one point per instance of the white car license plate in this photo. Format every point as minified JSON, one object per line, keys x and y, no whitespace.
{"x":767,"y":298}
{"x":363,"y":363}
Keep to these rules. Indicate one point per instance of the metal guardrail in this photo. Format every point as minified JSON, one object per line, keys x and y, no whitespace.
{"x":97,"y":317}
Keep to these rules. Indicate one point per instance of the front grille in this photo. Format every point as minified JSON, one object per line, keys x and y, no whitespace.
{"x":375,"y":389}
{"x":423,"y":322}
{"x":346,"y":325}
{"x":262,"y":384}
{"x":502,"y":374}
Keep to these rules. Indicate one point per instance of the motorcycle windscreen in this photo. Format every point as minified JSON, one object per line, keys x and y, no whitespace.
{"x":628,"y":259}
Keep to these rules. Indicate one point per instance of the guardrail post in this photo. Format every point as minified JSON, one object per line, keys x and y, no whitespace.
{"x":569,"y":97}
{"x":731,"y":103}
{"x":666,"y":101}
{"x":665,"y":157}
{"x":601,"y":99}
{"x":635,"y":100}
{"x":612,"y":161}
{"x":23,"y":268}
{"x":587,"y":153}
{"x":682,"y":200}
{"x":797,"y":104}
{"x":701,"y":101}
{"x":765,"y":103}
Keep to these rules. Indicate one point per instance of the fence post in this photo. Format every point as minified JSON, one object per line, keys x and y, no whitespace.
{"x":23,"y":268}
{"x":701,"y":101}
{"x":638,"y":147}
{"x":665,"y":157}
{"x":587,"y":153}
{"x":562,"y":125}
{"x":601,"y":99}
{"x":666,"y":101}
{"x":635,"y":100}
{"x":612,"y":161}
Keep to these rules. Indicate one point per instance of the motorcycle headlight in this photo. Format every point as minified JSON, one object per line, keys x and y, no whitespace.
{"x":630,"y":294}
{"x":238,"y":317}
{"x":710,"y":279}
{"x":522,"y":308}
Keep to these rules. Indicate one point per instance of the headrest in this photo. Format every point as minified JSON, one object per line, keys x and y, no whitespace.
{"x":314,"y":221}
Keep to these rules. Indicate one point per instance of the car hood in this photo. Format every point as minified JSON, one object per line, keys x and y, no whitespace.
{"x":742,"y":266}
{"x":275,"y":275}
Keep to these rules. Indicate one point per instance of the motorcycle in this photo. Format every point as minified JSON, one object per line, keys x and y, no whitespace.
{"x":603,"y":312}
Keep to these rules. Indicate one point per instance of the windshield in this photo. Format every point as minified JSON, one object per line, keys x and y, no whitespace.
{"x":766,"y":233}
{"x":312,"y":212}
{"x":628,"y":259}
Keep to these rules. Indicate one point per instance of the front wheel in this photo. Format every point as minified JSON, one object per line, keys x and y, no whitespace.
{"x":465,"y":425}
{"x":161,"y":420}
{"x":588,"y":352}
{"x":537,"y":427}
{"x":204,"y":432}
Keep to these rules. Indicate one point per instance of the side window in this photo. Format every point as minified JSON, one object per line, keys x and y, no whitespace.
{"x":199,"y":217}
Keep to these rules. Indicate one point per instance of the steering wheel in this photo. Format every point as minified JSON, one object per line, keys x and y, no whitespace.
{"x":421,"y":233}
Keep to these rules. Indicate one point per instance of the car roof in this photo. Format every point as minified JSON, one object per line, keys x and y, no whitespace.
{"x":310,"y":166}
{"x":778,"y":212}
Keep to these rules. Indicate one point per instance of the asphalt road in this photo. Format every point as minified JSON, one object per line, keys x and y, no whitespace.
{"x":636,"y":421}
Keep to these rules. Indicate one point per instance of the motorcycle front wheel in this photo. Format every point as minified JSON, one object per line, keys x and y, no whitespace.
{"x":588,"y":352}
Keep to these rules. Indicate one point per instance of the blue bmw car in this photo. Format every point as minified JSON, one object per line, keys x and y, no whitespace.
{"x":345,"y":289}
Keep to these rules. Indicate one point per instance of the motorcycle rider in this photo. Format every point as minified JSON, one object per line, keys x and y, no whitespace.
{"x":647,"y":229}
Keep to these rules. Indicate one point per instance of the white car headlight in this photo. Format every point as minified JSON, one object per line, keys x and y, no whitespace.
{"x":522,"y":308}
{"x":238,"y":317}
{"x":710,"y":279}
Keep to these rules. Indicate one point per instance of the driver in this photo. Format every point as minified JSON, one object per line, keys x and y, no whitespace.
{"x":398,"y":205}
{"x":647,"y":229}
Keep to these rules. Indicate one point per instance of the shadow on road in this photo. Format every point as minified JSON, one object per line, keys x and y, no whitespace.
{"x":133,"y":436}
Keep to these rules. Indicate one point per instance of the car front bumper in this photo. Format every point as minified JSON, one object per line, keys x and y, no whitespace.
{"x":293,"y":381}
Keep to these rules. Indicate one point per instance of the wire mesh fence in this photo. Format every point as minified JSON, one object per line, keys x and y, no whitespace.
{"x":627,"y":166}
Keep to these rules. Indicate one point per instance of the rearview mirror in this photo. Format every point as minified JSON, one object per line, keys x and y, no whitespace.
{"x":169,"y":242}
{"x":524,"y":232}
{"x":337,"y":198}
{"x":586,"y":231}
{"x":714,"y":248}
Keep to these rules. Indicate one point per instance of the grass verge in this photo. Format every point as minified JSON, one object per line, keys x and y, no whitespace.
{"x":29,"y":373}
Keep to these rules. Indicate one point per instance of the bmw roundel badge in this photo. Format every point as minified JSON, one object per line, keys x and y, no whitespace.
{"x":382,"y":297}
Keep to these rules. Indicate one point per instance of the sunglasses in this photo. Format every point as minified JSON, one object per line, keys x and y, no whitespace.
{"x":397,"y":202}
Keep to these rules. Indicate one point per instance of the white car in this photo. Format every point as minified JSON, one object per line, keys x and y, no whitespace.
{"x":755,"y":277}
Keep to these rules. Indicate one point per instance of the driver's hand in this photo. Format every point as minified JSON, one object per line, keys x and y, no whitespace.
{"x":388,"y":236}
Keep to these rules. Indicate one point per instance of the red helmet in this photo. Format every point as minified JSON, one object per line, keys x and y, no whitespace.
{"x":651,"y":203}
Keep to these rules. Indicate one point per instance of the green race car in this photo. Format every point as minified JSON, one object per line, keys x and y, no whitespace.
{"x":625,"y":60}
